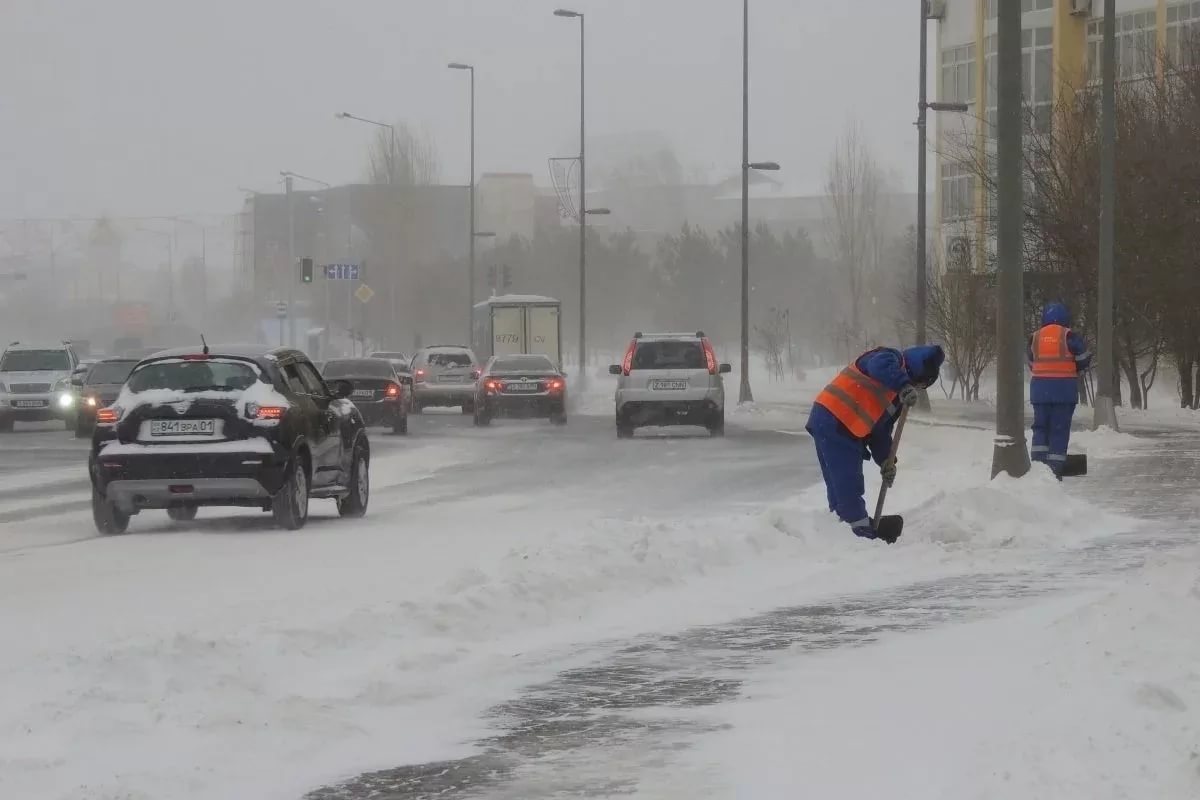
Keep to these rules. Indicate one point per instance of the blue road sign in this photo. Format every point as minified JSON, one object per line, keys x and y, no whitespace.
{"x":342,"y":272}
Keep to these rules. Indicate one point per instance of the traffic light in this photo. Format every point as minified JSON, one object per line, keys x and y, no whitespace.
{"x":306,"y":270}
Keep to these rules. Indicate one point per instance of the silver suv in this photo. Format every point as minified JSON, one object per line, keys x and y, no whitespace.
{"x":35,"y":384}
{"x":444,"y":375}
{"x":670,"y":379}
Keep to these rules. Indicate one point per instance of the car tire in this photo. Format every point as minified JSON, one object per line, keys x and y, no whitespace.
{"x":290,"y":506}
{"x":355,"y":503}
{"x":400,"y":426}
{"x":109,"y":519}
{"x":716,"y":425}
{"x":624,"y":430}
{"x":185,"y":513}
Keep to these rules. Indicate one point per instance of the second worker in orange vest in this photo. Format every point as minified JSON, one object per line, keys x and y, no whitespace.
{"x":1057,"y":356}
{"x":852,"y":419}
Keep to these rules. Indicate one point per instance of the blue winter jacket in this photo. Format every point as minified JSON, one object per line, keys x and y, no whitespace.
{"x":895,"y":371}
{"x":1059,"y":390}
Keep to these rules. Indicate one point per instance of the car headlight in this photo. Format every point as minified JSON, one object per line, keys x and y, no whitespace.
{"x":91,"y":401}
{"x":66,"y":400}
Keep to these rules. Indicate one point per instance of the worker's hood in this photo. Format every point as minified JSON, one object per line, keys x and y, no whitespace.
{"x":1056,"y":314}
{"x":922,"y":363}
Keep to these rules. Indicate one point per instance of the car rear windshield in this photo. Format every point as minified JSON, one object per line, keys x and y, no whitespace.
{"x":669,"y":354}
{"x":212,"y":375}
{"x":390,"y":356}
{"x":523,"y":363}
{"x":110,"y":372}
{"x":359,"y":367}
{"x":448,"y":359}
{"x":35,"y":361}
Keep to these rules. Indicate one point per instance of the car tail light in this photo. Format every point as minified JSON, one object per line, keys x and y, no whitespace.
{"x":710,"y":356}
{"x":107,"y":416}
{"x":556,"y":384}
{"x":627,"y":364}
{"x":392,"y":390}
{"x":419,"y":376}
{"x":255,"y":411}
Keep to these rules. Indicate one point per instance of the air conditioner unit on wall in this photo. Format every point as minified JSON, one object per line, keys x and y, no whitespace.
{"x":1081,"y":8}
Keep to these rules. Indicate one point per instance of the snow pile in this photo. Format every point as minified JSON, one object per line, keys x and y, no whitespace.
{"x":1074,"y":698}
{"x":1104,"y":442}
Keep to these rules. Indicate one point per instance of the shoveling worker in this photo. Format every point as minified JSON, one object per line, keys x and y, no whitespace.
{"x":852,"y":420}
{"x":1057,"y":355}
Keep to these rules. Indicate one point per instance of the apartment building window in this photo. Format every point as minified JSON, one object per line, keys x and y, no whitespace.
{"x":958,"y":191}
{"x":1137,"y":44}
{"x":1037,"y":76}
{"x":1183,"y":25}
{"x":1026,"y":6}
{"x":958,"y":74}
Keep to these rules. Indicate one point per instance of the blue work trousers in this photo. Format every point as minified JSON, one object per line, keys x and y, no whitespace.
{"x":1051,"y":433}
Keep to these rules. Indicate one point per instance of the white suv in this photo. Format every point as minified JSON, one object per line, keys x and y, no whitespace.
{"x":35,"y":384}
{"x":670,"y":379}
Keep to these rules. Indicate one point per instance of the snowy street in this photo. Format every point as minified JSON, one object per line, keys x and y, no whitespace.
{"x":529,"y":611}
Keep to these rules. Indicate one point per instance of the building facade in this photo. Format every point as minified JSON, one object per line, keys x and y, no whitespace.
{"x":1061,"y":46}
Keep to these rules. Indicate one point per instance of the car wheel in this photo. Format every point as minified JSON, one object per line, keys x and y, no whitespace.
{"x":290,"y":506}
{"x":355,"y":503}
{"x":185,"y":513}
{"x":109,"y":519}
{"x":624,"y":430}
{"x":716,"y":425}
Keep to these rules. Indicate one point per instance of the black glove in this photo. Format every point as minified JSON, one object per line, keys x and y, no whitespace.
{"x":887,"y":471}
{"x":909,"y":395}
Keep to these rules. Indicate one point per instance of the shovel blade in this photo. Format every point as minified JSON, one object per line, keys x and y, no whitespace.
{"x":1075,"y":465}
{"x":890,"y":527}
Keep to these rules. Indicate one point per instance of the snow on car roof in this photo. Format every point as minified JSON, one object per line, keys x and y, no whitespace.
{"x":504,"y":299}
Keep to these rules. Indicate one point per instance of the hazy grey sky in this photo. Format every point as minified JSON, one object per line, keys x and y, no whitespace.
{"x":166,"y":106}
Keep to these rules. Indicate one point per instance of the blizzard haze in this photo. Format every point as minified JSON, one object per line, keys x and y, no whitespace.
{"x":146,"y":107}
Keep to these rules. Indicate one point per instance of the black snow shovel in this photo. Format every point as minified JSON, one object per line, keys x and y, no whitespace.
{"x":1075,"y":465}
{"x":890,"y":527}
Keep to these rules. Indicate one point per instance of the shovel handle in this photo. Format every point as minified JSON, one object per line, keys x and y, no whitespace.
{"x":891,"y":459}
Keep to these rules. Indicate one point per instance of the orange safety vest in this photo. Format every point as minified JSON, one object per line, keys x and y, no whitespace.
{"x":857,"y":400}
{"x":1052,"y":357}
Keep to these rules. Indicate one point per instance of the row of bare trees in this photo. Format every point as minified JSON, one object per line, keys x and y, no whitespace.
{"x":1157,"y":227}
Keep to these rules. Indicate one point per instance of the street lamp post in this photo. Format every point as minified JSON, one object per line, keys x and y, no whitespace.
{"x":923,"y":106}
{"x":1010,"y":453}
{"x":744,"y":393}
{"x":471,"y":231}
{"x":583,"y":212}
{"x":1105,"y":412}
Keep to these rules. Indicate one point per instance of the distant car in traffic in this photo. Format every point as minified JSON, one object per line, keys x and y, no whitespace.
{"x":378,"y":393}
{"x":520,"y":386}
{"x":228,"y":426}
{"x":443,"y":375}
{"x":35,"y":384}
{"x":670,"y":379}
{"x":97,"y":387}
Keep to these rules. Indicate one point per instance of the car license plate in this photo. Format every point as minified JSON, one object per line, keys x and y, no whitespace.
{"x":30,"y":403}
{"x":522,"y":388}
{"x":668,"y":385}
{"x":183,"y":427}
{"x":452,"y":379}
{"x":367,"y":394}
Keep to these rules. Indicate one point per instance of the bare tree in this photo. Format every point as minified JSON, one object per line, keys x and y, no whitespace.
{"x":411,"y":161}
{"x":962,"y":316}
{"x":854,"y":225}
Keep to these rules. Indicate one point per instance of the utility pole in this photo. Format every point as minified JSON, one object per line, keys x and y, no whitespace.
{"x":471,"y":268}
{"x":1104,"y":411}
{"x":922,"y":257}
{"x":1010,"y":453}
{"x":290,"y":276}
{"x":582,"y":210}
{"x":744,"y":393}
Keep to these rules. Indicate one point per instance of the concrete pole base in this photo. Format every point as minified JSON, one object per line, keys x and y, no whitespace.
{"x":1105,"y":414}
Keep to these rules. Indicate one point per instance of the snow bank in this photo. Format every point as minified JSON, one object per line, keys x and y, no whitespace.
{"x":1076,"y":698}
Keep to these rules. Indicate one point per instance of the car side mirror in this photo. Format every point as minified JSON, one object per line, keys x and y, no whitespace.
{"x":615,"y":369}
{"x":342,"y":389}
{"x":725,"y":369}
{"x":77,"y":381}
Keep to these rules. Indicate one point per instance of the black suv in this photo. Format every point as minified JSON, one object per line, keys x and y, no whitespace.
{"x":228,"y":426}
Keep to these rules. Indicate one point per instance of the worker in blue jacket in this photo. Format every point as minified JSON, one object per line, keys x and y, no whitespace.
{"x":1057,"y":356}
{"x":852,"y":420}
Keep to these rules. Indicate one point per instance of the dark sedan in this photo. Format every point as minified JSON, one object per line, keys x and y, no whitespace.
{"x":520,"y":386}
{"x":379,"y":392}
{"x":98,"y":388}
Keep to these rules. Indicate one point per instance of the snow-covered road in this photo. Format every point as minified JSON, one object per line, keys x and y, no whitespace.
{"x":525,"y":611}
